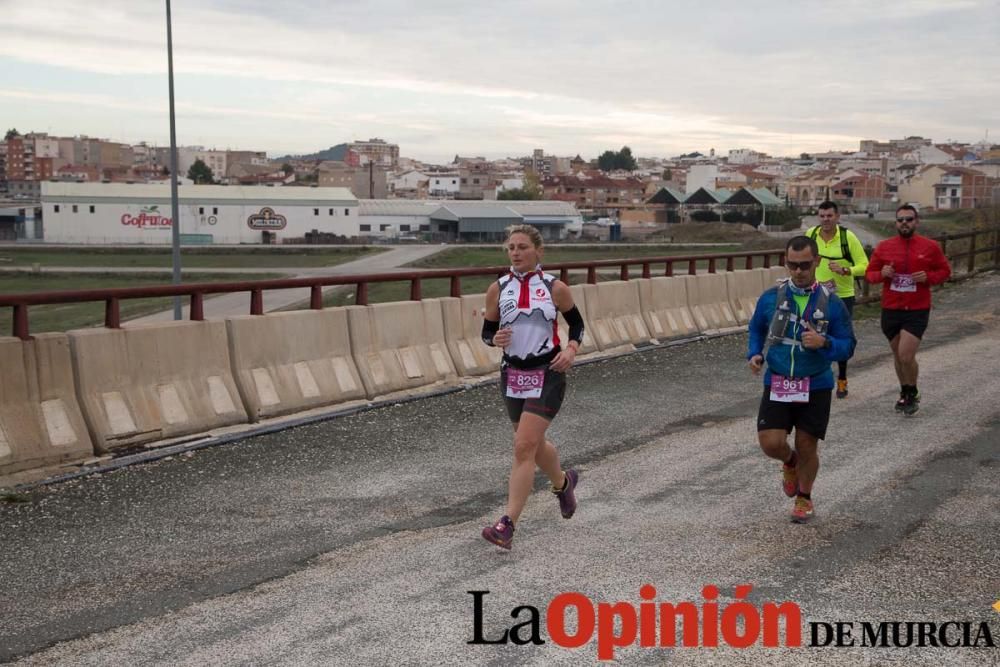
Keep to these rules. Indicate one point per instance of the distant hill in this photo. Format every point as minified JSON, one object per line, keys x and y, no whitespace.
{"x":338,"y":153}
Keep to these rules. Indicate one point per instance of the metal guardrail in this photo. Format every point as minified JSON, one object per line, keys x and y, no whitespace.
{"x":113,"y":297}
{"x":979,"y":242}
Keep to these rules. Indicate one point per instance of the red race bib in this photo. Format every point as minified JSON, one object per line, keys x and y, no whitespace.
{"x":789,"y":390}
{"x":525,"y":383}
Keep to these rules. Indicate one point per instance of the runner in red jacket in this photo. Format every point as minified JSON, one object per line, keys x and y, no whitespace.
{"x":907,"y":265}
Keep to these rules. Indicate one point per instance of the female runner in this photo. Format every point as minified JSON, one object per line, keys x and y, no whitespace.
{"x":521,"y":312}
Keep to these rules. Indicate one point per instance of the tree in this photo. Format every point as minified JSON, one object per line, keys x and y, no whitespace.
{"x":287,"y":168}
{"x":11,"y":133}
{"x":532,"y":185}
{"x":667,"y":174}
{"x":611,"y":160}
{"x":201,"y":173}
{"x":606,"y":161}
{"x":625,"y":160}
{"x":530,"y":189}
{"x":519,"y":194}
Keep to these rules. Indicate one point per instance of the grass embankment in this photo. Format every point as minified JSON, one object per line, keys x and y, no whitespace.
{"x":66,"y":316}
{"x":735,"y":237}
{"x":250,"y":258}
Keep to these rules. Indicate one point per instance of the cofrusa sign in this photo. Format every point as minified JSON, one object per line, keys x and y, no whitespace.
{"x":266,"y":219}
{"x":149,"y":218}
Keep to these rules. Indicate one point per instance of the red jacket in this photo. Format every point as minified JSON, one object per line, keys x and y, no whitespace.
{"x":908,"y":256}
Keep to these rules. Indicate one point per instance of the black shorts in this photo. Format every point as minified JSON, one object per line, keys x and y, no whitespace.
{"x":811,"y":417}
{"x":547,"y":405}
{"x":913,"y":321}
{"x":849,"y":304}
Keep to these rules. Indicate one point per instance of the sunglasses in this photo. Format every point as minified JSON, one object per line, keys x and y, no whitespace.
{"x":906,"y":219}
{"x":799,"y":266}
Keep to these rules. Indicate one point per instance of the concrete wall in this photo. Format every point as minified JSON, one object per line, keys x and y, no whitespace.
{"x":615,"y":315}
{"x":395,"y":348}
{"x":589,"y":346}
{"x":65,"y":396}
{"x":744,"y":288}
{"x":298,"y":360}
{"x":773,"y":275}
{"x":708,"y":299}
{"x":664,"y":306}
{"x":40,"y":420}
{"x":463,"y":327}
{"x":151,"y":382}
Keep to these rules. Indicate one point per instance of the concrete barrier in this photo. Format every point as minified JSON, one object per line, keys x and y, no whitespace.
{"x":297,"y":360}
{"x":463,"y":335}
{"x":589,"y":346}
{"x":665,"y":309}
{"x":399,"y":346}
{"x":773,"y":274}
{"x":151,"y":382}
{"x":708,"y":299}
{"x":434,"y":320}
{"x":40,"y":420}
{"x":744,"y":288}
{"x":616,"y":317}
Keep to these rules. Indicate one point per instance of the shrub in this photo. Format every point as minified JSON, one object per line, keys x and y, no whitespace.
{"x":705,"y":216}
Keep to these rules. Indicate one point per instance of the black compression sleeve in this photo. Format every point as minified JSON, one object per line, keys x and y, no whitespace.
{"x":490,"y":328}
{"x":575,"y":322}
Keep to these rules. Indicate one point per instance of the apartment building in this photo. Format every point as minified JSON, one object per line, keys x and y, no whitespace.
{"x":918,"y":189}
{"x":958,"y":187}
{"x":377,"y":151}
{"x":810,"y":188}
{"x":369,"y":182}
{"x":475,"y":178}
{"x":860,"y":191}
{"x":20,"y":158}
{"x":744,"y":156}
{"x":595,"y":192}
{"x":443,"y":184}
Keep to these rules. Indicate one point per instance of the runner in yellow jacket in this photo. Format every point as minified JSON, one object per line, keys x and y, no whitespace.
{"x":842,"y":259}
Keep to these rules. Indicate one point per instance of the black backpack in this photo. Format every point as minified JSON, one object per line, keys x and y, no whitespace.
{"x":845,"y":251}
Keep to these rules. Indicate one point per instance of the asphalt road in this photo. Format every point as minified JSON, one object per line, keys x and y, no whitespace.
{"x":355,"y":541}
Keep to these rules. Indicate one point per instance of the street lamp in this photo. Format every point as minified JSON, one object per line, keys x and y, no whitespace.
{"x":175,"y":228}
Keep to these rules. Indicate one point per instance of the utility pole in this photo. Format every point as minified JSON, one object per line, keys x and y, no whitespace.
{"x":175,"y":226}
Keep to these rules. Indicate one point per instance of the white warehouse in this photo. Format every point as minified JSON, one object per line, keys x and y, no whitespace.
{"x":108,"y":213}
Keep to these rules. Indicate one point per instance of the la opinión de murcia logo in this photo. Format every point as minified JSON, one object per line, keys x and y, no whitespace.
{"x":149,"y":218}
{"x":266,"y":219}
{"x":738,"y":624}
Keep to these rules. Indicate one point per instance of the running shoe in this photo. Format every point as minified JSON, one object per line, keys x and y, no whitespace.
{"x":789,"y":480}
{"x":803,"y":510}
{"x":501,"y":533}
{"x":901,"y":403}
{"x":841,"y":388}
{"x":912,"y":405}
{"x":567,"y":499}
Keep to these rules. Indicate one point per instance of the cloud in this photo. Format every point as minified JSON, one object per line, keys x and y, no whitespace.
{"x":777,"y":76}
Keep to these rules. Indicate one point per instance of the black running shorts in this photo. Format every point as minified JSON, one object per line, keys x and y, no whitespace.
{"x":913,"y":321}
{"x":811,"y":417}
{"x":547,"y":405}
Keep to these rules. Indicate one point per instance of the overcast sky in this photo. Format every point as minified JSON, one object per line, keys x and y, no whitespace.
{"x":501,"y":78}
